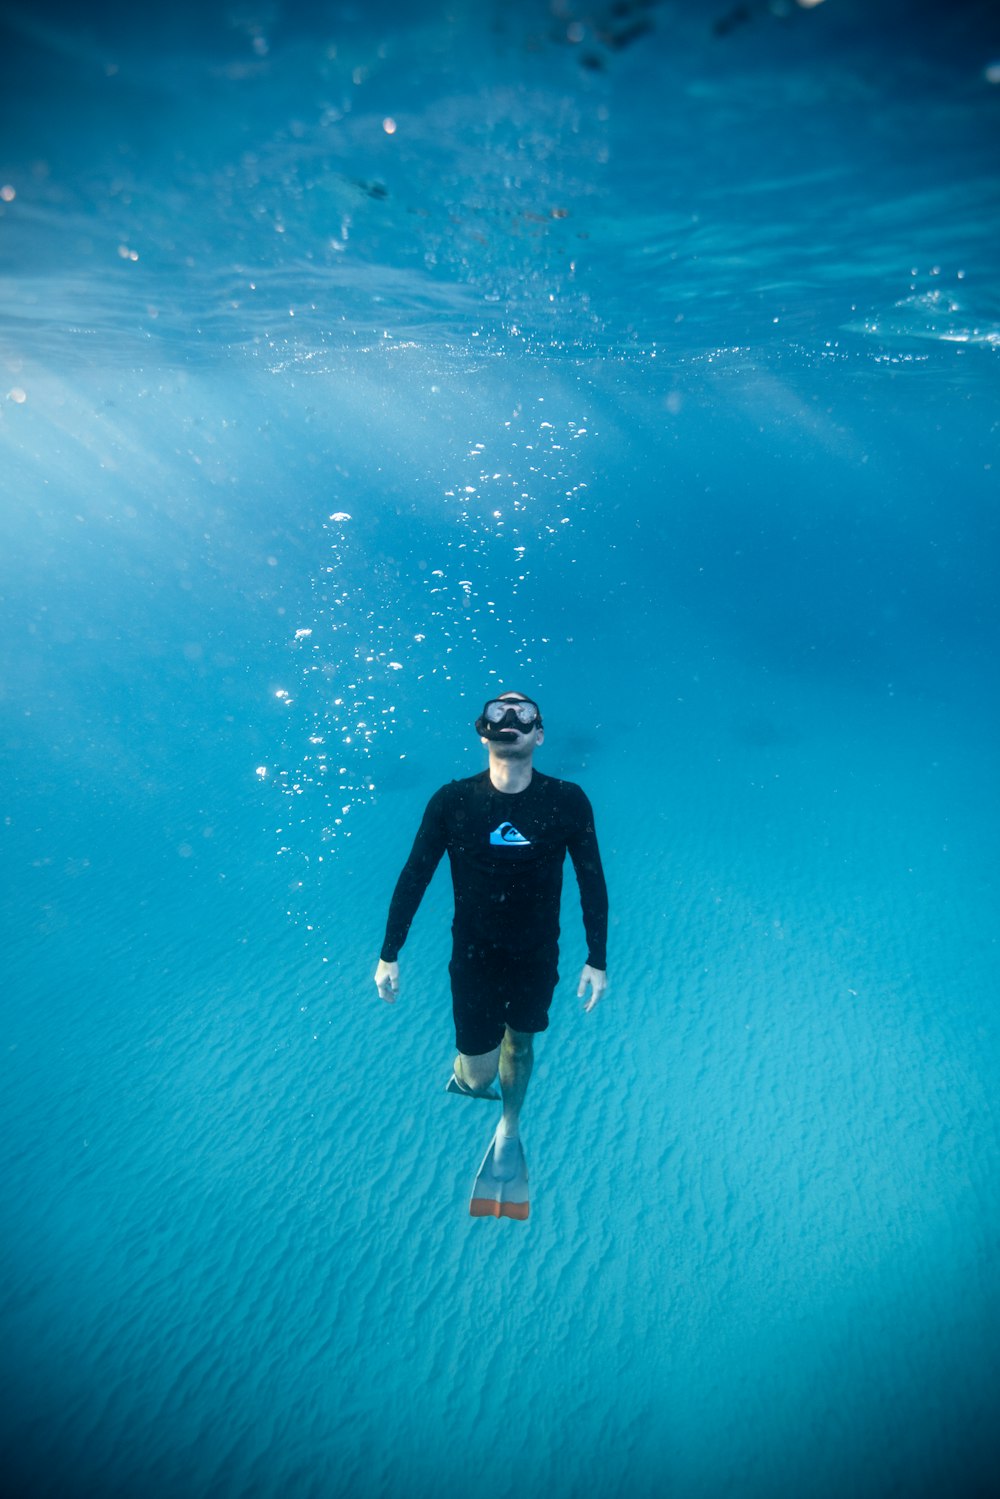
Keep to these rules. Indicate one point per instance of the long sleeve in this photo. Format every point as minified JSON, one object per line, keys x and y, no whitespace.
{"x":586,"y":858}
{"x":428,"y":846}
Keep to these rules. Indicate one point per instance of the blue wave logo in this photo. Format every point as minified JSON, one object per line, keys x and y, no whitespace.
{"x":507,"y":833}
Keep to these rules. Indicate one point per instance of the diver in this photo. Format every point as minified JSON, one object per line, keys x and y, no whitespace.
{"x":506,"y":832}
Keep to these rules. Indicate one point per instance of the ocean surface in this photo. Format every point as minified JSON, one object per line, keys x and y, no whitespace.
{"x":358,"y":360}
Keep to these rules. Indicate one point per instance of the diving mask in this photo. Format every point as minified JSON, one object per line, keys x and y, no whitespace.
{"x":500,"y":716}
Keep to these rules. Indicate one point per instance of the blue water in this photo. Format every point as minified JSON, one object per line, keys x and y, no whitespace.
{"x":354,"y":360}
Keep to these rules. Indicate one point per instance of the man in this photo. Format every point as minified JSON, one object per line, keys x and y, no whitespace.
{"x":506,"y":832}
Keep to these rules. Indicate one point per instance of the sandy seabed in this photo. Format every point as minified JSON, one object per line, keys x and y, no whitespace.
{"x":764,"y":1201}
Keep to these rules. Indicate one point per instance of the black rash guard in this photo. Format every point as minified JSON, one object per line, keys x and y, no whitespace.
{"x":506,"y":851}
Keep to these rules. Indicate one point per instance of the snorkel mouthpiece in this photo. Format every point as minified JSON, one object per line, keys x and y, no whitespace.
{"x":507,"y":728}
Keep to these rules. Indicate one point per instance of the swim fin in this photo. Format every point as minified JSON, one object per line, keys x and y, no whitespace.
{"x":455,"y":1085}
{"x":493,"y":1197}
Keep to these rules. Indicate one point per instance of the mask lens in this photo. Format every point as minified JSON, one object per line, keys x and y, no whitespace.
{"x":525,"y":713}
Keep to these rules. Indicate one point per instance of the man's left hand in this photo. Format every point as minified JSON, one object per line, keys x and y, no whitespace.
{"x":597,"y":980}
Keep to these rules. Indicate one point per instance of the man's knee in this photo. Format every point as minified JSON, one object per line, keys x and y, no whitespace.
{"x":519,"y":1043}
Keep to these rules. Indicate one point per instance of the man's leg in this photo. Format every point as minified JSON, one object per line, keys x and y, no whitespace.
{"x":477,"y":1072}
{"x":474,"y":986}
{"x":517,"y":1058}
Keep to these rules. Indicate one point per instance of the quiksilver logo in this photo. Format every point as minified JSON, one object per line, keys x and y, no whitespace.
{"x":507,"y":833}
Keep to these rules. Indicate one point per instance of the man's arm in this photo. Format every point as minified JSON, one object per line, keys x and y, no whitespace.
{"x":583,"y":850}
{"x":425,"y":855}
{"x":586,"y":856}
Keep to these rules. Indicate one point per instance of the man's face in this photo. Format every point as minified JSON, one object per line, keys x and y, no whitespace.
{"x":515,"y":742}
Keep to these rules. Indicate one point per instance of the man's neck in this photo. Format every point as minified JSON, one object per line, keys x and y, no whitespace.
{"x":510,"y":775}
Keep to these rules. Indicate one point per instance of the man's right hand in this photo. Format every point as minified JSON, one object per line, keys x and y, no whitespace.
{"x":387,"y":981}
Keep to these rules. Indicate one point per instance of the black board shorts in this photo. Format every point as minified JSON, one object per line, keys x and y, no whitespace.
{"x":492,"y":987}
